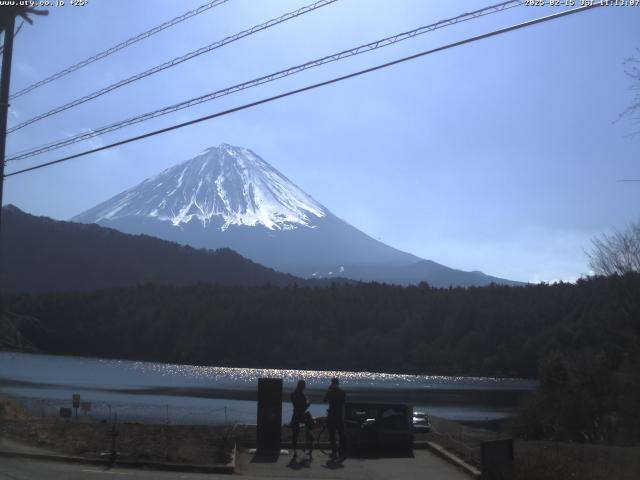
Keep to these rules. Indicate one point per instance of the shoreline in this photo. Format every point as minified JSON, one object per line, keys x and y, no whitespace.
{"x":416,"y":396}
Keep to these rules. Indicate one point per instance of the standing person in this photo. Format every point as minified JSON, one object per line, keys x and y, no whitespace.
{"x":300,"y":415}
{"x":335,"y":417}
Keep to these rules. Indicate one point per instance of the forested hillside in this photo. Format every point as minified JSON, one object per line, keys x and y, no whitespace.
{"x":486,"y":331}
{"x":40,"y":254}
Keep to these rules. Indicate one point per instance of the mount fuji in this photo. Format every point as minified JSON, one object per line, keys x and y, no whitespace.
{"x":228,"y":196}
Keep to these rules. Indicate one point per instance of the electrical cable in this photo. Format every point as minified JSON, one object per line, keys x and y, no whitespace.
{"x":314,"y":86}
{"x":265,"y":79}
{"x":14,"y":35}
{"x":176,"y":61}
{"x":118,"y":47}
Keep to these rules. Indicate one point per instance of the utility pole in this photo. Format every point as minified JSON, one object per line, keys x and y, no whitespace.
{"x":8,"y":16}
{"x":8,"y":25}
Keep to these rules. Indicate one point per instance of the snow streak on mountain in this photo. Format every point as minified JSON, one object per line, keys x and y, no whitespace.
{"x":228,"y":184}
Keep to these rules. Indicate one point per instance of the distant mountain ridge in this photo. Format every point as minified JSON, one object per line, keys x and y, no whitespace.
{"x":40,"y":254}
{"x":229,"y":197}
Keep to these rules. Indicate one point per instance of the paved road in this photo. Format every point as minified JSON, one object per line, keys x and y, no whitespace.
{"x":19,"y":469}
{"x":422,"y":465}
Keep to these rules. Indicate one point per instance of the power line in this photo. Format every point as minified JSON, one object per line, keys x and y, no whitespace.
{"x":312,"y":87}
{"x":261,"y":80}
{"x":14,"y":35}
{"x":176,"y":61}
{"x":120,"y":46}
{"x":266,"y":79}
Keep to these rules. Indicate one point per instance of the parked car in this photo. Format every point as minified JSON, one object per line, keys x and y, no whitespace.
{"x":421,"y":422}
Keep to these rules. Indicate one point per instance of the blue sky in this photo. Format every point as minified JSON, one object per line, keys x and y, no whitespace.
{"x":500,"y":156}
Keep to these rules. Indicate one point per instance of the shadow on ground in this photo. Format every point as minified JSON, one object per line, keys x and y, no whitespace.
{"x":265,"y":457}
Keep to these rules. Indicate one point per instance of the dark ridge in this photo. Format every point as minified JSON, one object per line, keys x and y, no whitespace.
{"x":40,"y":254}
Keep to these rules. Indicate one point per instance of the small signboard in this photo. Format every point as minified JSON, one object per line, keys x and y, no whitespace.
{"x":497,"y":459}
{"x":85,"y":407}
{"x":75,"y":399}
{"x":65,"y":412}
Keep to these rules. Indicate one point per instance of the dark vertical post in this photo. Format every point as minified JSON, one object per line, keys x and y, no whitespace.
{"x":269,"y":414}
{"x":497,"y":459}
{"x":114,"y":436}
{"x":9,"y":24}
{"x":75,"y":402}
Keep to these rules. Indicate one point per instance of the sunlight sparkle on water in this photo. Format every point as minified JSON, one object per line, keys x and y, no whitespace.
{"x":249,"y":376}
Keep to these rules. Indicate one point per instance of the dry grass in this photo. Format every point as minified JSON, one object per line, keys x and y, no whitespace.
{"x":543,"y":460}
{"x":170,"y":443}
{"x":564,"y":461}
{"x":207,"y":445}
{"x":10,"y":410}
{"x":462,"y":440}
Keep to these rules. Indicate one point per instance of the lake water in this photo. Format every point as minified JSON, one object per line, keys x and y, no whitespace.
{"x":188,"y":394}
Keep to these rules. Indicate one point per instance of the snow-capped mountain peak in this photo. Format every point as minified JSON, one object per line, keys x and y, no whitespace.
{"x":229,"y":197}
{"x":227,"y":185}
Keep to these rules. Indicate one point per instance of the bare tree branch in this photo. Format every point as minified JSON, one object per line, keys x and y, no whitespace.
{"x":618,"y":253}
{"x":633,"y":71}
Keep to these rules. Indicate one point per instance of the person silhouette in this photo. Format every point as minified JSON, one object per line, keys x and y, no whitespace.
{"x":300,"y":416}
{"x":335,"y":417}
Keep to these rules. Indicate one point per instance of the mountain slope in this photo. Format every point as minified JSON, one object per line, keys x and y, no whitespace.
{"x":40,"y":254}
{"x":224,"y":185}
{"x":230,"y":197}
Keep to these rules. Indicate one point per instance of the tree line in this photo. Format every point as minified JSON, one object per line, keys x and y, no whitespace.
{"x":494,"y":330}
